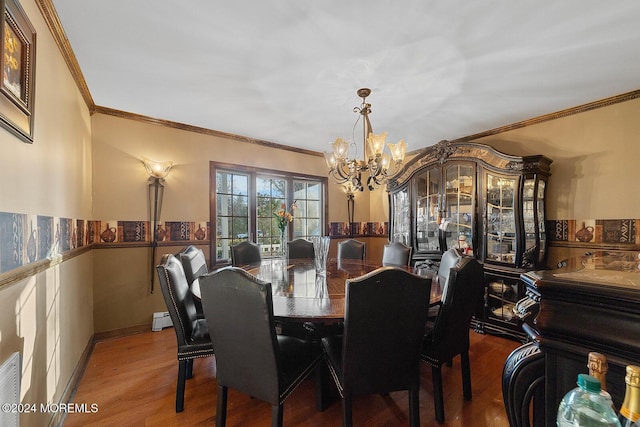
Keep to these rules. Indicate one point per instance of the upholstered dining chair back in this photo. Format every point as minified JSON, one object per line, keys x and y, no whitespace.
{"x":396,"y":254}
{"x":300,"y":249}
{"x":461,"y":298}
{"x":245,"y":253}
{"x":192,"y":333}
{"x":448,"y":261}
{"x":193,"y":262}
{"x":250,"y":357}
{"x":351,"y":249}
{"x":195,"y":265}
{"x":449,"y":337}
{"x":385,"y":315}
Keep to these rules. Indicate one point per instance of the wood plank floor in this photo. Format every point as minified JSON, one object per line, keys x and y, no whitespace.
{"x":133,"y":381}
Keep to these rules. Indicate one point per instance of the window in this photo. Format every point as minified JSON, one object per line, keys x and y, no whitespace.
{"x":231,"y":214}
{"x":307,"y":220}
{"x":244,"y":201}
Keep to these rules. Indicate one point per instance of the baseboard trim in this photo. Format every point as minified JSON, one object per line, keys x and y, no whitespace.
{"x":123,"y":332}
{"x":73,"y":383}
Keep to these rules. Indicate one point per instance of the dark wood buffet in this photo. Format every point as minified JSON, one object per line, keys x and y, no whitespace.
{"x":590,"y":303}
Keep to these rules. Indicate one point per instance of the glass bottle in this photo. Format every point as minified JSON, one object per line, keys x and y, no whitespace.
{"x":630,"y":410}
{"x":598,"y":368}
{"x":584,"y":406}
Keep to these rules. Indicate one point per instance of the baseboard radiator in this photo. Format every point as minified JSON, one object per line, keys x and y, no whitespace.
{"x":10,"y":373}
{"x":161,"y":320}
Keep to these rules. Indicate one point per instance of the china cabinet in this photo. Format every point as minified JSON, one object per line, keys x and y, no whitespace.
{"x":484,"y":203}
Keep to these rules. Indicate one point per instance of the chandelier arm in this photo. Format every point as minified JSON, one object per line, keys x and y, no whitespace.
{"x":338,"y":174}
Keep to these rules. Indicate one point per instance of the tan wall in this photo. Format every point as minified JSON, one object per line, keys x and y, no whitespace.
{"x":48,"y":317}
{"x":595,"y":155}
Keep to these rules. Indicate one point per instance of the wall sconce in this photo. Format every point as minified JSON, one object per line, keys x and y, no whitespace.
{"x":351,"y":204}
{"x":157,"y":171}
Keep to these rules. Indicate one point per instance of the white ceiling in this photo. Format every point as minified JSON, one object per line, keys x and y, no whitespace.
{"x":287,"y":71}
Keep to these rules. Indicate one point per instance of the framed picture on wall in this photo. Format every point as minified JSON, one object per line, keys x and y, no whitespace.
{"x":17,"y":68}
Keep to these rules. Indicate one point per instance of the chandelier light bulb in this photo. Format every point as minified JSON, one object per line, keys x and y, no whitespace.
{"x":340,"y":149}
{"x":376,"y":143}
{"x":398,"y":150}
{"x":330,"y":158}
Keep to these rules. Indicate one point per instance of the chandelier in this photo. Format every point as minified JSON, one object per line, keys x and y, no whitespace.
{"x":375,"y":162}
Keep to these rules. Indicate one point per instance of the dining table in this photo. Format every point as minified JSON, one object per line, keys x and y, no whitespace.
{"x":301,"y":294}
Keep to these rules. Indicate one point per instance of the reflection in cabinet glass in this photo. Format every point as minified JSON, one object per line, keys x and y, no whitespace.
{"x":400,"y":220}
{"x":459,"y":207}
{"x":483,"y":202}
{"x":501,"y":219}
{"x":427,"y":210}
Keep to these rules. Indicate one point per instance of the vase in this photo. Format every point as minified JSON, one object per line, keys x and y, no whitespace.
{"x":283,"y":243}
{"x":109,"y":234}
{"x":585,"y":234}
{"x":321,"y":251}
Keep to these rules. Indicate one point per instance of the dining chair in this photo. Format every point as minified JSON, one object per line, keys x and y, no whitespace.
{"x":245,"y":253}
{"x":195,"y":265}
{"x":396,"y":254}
{"x":379,"y":351}
{"x":192,"y":333}
{"x":250,"y":357}
{"x":351,"y":249}
{"x":300,"y":249}
{"x":449,"y":337}
{"x":449,"y":260}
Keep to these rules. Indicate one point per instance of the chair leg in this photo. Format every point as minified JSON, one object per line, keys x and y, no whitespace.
{"x":221,"y":406}
{"x":189,"y":368}
{"x":322,"y":386}
{"x":347,"y":419}
{"x":438,"y":399}
{"x":182,"y":374}
{"x":276,"y":416}
{"x":466,"y":375}
{"x":414,"y":407}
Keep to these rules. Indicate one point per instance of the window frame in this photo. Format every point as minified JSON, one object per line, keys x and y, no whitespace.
{"x":254,"y":173}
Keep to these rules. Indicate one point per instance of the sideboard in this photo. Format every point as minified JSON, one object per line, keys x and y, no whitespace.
{"x":590,"y":303}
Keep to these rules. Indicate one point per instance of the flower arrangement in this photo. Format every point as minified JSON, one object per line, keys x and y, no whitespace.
{"x":283,"y":217}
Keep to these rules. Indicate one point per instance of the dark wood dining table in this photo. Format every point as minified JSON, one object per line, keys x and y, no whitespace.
{"x":301,"y":294}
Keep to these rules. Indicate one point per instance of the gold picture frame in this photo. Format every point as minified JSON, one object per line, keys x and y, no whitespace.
{"x":17,"y":71}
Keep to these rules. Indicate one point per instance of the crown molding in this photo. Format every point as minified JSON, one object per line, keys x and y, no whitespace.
{"x":201,"y":130}
{"x":55,"y":27}
{"x":553,"y":116}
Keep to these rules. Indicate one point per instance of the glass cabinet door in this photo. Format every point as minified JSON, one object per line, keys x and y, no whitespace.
{"x":427,"y":210}
{"x":529,"y":213}
{"x":459,"y":206}
{"x":542,"y":229}
{"x":400,"y":218}
{"x":501,"y":220}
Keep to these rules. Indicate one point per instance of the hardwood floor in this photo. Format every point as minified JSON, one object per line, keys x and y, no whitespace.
{"x":133,"y":382}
